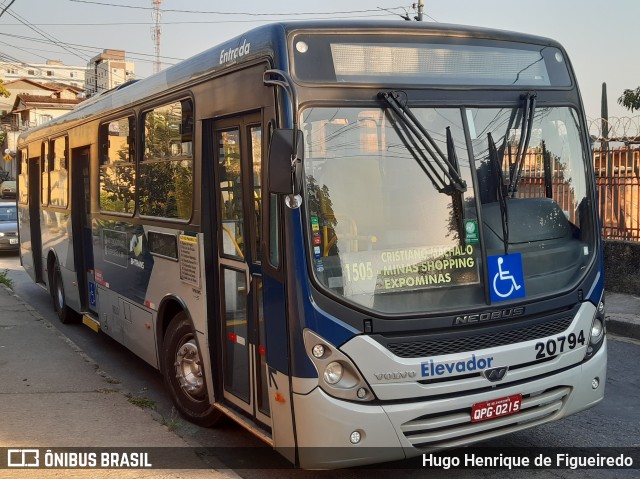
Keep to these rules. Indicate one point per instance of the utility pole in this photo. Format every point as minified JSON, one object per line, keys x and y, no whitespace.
{"x":156,"y":31}
{"x":420,"y":10}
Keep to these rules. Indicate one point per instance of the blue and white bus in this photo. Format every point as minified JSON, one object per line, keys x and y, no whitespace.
{"x":359,"y":240}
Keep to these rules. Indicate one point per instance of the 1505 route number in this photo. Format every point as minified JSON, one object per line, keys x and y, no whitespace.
{"x":559,"y":345}
{"x":359,"y":271}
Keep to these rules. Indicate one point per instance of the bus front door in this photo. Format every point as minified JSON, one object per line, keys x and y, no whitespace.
{"x":238,"y":145}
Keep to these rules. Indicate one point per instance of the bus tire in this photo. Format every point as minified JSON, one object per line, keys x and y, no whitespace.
{"x":64,"y":312}
{"x":184,"y":375}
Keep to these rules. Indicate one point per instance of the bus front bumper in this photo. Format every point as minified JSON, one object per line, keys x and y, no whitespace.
{"x":325,"y":426}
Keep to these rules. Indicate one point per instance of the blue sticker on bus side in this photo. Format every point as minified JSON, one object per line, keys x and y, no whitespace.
{"x":506,"y":279}
{"x":92,"y":294}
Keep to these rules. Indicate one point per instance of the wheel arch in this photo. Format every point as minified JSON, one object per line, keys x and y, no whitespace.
{"x":169,"y":307}
{"x":52,"y":259}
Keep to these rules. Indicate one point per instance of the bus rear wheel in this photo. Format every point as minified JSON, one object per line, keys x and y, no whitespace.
{"x":65,"y":314}
{"x":184,"y":374}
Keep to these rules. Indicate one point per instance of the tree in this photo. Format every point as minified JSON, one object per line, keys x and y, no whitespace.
{"x":630,"y":99}
{"x":3,"y":91}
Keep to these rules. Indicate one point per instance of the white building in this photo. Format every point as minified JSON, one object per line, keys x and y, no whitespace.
{"x":31,"y":104}
{"x":106,"y":71}
{"x":53,"y":71}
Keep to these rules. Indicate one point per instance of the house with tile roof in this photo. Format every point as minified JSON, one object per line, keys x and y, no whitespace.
{"x":31,"y":104}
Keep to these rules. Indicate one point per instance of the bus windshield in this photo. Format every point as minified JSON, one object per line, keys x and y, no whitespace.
{"x":382,"y":237}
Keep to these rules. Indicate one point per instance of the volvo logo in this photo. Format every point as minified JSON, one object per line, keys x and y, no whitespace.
{"x":395,"y":375}
{"x":495,"y":374}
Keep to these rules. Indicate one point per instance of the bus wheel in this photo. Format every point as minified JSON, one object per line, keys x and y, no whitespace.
{"x":184,"y":374}
{"x":65,"y":314}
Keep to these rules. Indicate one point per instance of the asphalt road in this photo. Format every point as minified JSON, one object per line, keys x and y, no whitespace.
{"x":614,"y":423}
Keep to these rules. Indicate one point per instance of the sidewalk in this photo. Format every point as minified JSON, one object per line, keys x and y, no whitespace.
{"x":52,"y":395}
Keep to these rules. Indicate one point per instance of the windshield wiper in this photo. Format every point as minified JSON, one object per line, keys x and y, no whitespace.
{"x":412,"y":132}
{"x":528,"y":112}
{"x":412,"y":146}
{"x":496,"y":166}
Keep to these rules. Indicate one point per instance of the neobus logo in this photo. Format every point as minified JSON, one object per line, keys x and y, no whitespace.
{"x":489,"y":316}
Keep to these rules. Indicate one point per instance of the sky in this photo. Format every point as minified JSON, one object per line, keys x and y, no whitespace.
{"x":600,"y":37}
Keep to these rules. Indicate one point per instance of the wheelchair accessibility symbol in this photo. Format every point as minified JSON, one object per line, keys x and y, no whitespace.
{"x":507,"y":279}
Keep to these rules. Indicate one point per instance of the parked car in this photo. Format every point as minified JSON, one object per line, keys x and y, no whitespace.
{"x":9,"y":226}
{"x":8,"y":189}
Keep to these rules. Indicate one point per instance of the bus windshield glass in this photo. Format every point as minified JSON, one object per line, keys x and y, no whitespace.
{"x":384,"y":238}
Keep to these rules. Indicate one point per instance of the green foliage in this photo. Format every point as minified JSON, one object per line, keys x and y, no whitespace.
{"x":5,"y":280}
{"x":3,"y":91}
{"x":166,"y":188}
{"x":116,"y":190}
{"x":630,"y":99}
{"x":173,"y":422}
{"x":141,"y":401}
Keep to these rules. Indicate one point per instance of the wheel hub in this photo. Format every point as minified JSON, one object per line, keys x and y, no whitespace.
{"x":188,"y":371}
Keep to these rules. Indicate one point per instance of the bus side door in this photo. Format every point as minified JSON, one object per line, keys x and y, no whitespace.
{"x":238,"y":145}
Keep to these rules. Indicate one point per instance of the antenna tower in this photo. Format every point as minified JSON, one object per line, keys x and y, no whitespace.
{"x":156,"y":33}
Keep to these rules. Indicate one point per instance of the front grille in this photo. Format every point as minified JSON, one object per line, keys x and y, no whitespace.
{"x":459,"y":344}
{"x":454,"y":428}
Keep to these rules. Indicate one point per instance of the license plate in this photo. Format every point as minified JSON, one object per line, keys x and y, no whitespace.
{"x":13,"y":240}
{"x":505,"y":406}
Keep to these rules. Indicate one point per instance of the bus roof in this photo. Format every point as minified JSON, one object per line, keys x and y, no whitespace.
{"x":260,"y":42}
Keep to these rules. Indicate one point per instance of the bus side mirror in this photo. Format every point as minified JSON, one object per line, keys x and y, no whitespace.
{"x":285,"y":167}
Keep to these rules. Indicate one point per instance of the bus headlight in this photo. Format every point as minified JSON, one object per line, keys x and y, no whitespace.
{"x":333,"y":372}
{"x":337,"y":375}
{"x":598,"y":331}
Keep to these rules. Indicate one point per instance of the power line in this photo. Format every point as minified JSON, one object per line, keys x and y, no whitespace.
{"x":77,"y":49}
{"x":22,"y":49}
{"x":6,"y":8}
{"x":92,"y":50}
{"x":56,"y":41}
{"x":252,"y":14}
{"x":45,"y":35}
{"x":203,"y":22}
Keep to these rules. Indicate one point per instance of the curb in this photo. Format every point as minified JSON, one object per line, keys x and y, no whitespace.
{"x":627,"y":325}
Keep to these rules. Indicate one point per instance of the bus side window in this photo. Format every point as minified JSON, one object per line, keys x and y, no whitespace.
{"x":117,"y":165}
{"x":166,"y":170}
{"x":58,"y":175}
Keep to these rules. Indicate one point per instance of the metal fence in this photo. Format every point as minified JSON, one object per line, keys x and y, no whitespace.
{"x":617,"y":172}
{"x":618,"y":184}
